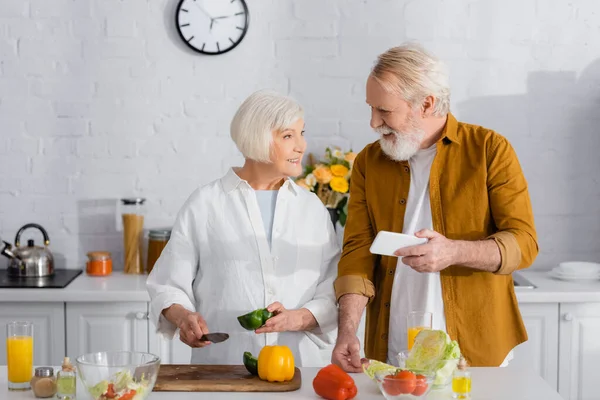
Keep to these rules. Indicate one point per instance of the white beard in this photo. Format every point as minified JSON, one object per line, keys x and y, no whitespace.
{"x":400,"y":146}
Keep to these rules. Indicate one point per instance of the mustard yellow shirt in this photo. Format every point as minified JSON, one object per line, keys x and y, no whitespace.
{"x":477,"y":191}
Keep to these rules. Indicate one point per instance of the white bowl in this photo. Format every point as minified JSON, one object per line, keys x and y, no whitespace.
{"x":579,"y":268}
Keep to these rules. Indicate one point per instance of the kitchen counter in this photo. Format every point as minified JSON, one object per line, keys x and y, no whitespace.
{"x":117,"y":287}
{"x":488,"y":384}
{"x":120,"y":287}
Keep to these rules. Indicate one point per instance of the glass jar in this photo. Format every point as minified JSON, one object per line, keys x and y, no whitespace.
{"x":132,"y":215}
{"x":99,"y":263}
{"x":43,"y":382}
{"x":66,"y":381}
{"x":157,"y":240}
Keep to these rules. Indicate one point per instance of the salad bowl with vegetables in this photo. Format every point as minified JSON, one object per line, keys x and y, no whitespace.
{"x":119,"y":375}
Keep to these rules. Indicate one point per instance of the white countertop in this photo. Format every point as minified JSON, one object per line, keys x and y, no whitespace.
{"x":488,"y":384}
{"x":115,"y":287}
{"x":120,"y":287}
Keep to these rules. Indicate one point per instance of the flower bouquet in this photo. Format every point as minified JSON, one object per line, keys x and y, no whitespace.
{"x":329,"y":179}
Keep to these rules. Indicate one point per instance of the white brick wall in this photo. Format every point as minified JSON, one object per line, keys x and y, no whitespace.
{"x":99,"y":99}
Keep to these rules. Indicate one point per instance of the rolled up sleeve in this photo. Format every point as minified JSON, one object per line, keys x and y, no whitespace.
{"x":356,"y":266}
{"x":170,"y":281}
{"x":511,"y":208}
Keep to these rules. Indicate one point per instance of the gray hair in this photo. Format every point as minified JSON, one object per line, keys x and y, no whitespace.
{"x":411,"y":72}
{"x":257,"y":117}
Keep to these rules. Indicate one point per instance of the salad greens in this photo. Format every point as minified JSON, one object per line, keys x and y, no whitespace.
{"x":434,"y":352}
{"x":121,"y":387}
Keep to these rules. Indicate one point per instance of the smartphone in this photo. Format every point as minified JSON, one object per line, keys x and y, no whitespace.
{"x":386,"y":243}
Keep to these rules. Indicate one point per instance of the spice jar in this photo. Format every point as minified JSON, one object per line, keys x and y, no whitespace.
{"x":157,"y":240}
{"x":43,"y":382}
{"x":132,"y":214}
{"x":99,"y":263}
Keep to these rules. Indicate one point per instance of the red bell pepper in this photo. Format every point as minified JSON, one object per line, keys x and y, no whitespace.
{"x":333,"y":383}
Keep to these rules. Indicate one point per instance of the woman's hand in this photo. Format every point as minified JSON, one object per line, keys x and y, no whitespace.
{"x":286,"y":320}
{"x":191,"y":325}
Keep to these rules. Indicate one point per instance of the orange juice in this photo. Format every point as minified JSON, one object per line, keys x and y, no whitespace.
{"x":413,"y":331}
{"x":19,"y":358}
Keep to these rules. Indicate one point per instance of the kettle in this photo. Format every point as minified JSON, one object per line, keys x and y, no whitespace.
{"x":31,"y":260}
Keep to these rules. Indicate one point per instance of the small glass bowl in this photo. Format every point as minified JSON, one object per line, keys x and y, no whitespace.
{"x":449,"y":368}
{"x":395,"y":388}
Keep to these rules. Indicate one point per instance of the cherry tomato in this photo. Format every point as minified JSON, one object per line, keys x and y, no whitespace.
{"x":421,"y":387}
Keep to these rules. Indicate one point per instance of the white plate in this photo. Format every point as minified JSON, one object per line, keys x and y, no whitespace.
{"x":579,"y":267}
{"x":386,"y":243}
{"x":575,"y":275}
{"x":571,"y":277}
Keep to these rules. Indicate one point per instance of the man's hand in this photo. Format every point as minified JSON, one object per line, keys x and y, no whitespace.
{"x":346,"y":353}
{"x":286,"y":320}
{"x":436,"y":255}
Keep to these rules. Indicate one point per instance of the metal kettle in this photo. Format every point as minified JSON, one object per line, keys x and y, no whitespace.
{"x":31,"y":260}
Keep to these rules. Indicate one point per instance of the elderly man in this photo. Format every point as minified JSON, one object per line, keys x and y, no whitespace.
{"x":458,"y":185}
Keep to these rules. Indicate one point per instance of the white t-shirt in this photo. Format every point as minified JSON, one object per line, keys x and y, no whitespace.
{"x":412,"y":290}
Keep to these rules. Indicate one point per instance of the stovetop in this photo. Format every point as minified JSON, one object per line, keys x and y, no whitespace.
{"x":60,"y":279}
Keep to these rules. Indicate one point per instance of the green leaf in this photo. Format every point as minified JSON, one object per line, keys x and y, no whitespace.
{"x":342,"y":217}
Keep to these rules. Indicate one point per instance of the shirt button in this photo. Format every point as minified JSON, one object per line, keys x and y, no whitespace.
{"x":406,"y":169}
{"x":384,"y":336}
{"x":391,"y":272}
{"x":387,"y":305}
{"x":275,"y":258}
{"x":402,"y":201}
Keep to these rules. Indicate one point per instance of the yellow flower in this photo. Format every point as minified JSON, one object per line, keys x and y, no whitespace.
{"x":339,"y":170}
{"x":323,"y":174}
{"x":350,"y":156}
{"x":302,"y":183}
{"x":339,"y":184}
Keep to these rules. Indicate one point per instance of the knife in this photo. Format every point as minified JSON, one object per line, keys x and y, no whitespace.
{"x":216,"y":337}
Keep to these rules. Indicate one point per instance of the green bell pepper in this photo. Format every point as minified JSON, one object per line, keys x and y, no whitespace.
{"x":251,"y":363}
{"x":254,"y":319}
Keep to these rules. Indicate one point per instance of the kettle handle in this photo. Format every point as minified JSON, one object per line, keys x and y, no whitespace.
{"x":18,"y":237}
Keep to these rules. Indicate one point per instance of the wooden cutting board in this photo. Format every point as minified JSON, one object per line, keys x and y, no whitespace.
{"x":218,"y":378}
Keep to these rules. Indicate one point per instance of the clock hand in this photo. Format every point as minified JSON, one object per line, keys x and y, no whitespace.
{"x":223,"y":17}
{"x":203,"y":10}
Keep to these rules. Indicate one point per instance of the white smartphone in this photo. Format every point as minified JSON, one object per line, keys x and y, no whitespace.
{"x":386,"y":243}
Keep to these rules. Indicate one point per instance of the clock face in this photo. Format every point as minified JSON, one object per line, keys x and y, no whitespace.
{"x":212,"y":26}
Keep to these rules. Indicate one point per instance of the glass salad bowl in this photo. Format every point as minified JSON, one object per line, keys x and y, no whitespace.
{"x":118,"y":375}
{"x":404,"y":385}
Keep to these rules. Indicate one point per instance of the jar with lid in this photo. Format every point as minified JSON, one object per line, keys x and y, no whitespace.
{"x":99,"y":263}
{"x":157,"y":240}
{"x":132,"y":215}
{"x":43,"y":382}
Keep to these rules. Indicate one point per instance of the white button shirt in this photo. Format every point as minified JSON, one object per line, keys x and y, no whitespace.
{"x":219,"y":264}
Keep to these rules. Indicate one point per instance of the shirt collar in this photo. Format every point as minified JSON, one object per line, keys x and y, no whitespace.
{"x":450,"y":132}
{"x":232,"y":181}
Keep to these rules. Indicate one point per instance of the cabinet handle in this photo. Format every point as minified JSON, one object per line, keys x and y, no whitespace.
{"x":141,"y":315}
{"x":568,"y":317}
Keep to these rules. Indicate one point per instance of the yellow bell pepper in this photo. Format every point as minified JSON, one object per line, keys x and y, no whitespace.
{"x":276,"y":364}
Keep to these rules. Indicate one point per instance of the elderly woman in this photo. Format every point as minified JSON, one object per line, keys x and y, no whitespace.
{"x":252,"y":239}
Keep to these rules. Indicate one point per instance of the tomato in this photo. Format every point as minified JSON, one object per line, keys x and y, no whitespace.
{"x":421,"y":386}
{"x":404,"y":382}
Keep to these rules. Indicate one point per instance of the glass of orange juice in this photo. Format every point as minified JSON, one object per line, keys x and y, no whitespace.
{"x":416,"y":321}
{"x":19,"y":354}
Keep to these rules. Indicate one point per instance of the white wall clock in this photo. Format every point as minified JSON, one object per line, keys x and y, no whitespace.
{"x":212,"y":26}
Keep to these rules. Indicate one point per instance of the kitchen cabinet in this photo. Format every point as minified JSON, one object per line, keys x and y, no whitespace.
{"x":540,"y":351}
{"x":48,"y":329}
{"x":113,"y":326}
{"x":170,"y":351}
{"x":579,"y":351}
